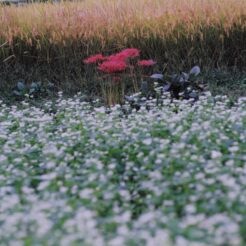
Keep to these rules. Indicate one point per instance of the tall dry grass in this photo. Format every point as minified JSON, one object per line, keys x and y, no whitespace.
{"x":177,"y":33}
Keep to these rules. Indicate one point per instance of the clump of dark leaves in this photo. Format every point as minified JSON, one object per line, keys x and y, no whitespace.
{"x":33,"y":90}
{"x":180,"y":86}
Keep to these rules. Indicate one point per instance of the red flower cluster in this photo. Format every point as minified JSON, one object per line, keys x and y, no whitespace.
{"x":124,"y":55}
{"x":117,"y":62}
{"x":112,"y":66}
{"x":128,"y":53}
{"x":94,"y":59}
{"x":146,"y":63}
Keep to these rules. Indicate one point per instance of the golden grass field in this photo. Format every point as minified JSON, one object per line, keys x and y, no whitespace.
{"x":178,"y":34}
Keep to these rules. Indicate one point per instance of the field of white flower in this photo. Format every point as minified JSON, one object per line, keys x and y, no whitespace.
{"x":71,"y":174}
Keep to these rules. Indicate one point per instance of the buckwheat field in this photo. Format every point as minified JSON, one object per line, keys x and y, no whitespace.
{"x":73,"y":174}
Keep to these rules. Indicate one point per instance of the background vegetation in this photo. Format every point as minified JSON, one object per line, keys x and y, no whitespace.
{"x":49,"y":41}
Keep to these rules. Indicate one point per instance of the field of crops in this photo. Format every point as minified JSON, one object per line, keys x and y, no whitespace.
{"x":144,"y":154}
{"x":49,"y":41}
{"x":72,"y":174}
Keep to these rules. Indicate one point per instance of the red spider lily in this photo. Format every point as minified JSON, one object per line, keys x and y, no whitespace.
{"x":116,"y":57}
{"x":146,"y":63}
{"x":124,"y":54}
{"x":112,"y":66}
{"x":94,"y":59}
{"x":130,"y":52}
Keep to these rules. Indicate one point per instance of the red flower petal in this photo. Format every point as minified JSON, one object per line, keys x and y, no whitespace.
{"x":146,"y":63}
{"x":124,"y":55}
{"x":112,"y":66}
{"x":94,"y":59}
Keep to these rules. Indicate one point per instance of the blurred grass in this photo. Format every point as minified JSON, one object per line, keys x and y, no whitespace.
{"x":227,"y":82}
{"x":48,"y":41}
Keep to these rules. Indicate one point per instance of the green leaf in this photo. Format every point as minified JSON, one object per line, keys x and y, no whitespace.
{"x":157,"y":76}
{"x":17,"y":93}
{"x":32,"y":90}
{"x":195,"y":71}
{"x":21,"y":86}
